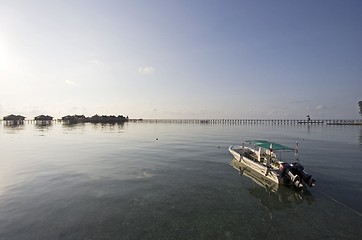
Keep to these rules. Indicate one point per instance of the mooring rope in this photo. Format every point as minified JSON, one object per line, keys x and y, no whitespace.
{"x":342,"y":204}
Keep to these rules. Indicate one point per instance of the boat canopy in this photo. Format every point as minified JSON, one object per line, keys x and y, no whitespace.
{"x":266,"y":144}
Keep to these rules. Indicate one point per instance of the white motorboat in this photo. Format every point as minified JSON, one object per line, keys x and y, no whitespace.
{"x":260,"y":156}
{"x":270,"y":194}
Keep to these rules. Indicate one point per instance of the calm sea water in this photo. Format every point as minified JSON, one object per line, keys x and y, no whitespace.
{"x":172,"y":181}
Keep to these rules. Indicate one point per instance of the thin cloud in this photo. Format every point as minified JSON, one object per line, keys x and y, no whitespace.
{"x":146,"y":70}
{"x":96,"y":62}
{"x":70,"y":83}
{"x":319,"y":107}
{"x":301,"y":101}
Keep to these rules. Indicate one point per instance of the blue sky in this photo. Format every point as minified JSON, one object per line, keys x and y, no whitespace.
{"x":181,"y":59}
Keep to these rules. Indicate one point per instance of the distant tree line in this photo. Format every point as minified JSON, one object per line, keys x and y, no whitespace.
{"x":360,"y":107}
{"x":94,"y":119}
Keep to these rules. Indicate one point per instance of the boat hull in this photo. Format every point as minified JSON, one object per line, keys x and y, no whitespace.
{"x":271,"y":174}
{"x":258,"y":178}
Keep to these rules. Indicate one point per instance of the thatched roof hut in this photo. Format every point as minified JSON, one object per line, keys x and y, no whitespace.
{"x":13,"y":117}
{"x":43,"y":118}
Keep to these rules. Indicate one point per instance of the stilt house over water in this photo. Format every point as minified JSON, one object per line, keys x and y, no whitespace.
{"x":43,"y":119}
{"x":14,"y":119}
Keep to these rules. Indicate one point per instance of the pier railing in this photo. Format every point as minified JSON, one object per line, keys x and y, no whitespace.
{"x":254,"y":121}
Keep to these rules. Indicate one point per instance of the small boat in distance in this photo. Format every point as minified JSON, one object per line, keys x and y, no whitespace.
{"x":260,"y":156}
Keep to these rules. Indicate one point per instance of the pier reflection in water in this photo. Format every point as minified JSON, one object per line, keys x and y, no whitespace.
{"x":272,"y":196}
{"x":13,"y":129}
{"x":43,"y":125}
{"x":73,"y":128}
{"x":102,"y":127}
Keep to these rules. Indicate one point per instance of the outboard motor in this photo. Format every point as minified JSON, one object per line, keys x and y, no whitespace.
{"x":299,"y":170}
{"x":295,"y":173}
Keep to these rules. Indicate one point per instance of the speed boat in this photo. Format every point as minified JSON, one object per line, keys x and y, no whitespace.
{"x":261,"y":157}
{"x":272,"y":196}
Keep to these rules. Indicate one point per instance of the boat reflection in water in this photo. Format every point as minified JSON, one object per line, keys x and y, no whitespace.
{"x":271,"y":195}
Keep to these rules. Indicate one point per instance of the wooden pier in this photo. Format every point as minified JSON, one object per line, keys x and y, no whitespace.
{"x":231,"y":121}
{"x":253,"y":121}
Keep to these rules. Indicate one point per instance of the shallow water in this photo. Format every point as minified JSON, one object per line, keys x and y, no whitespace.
{"x":172,"y":181}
